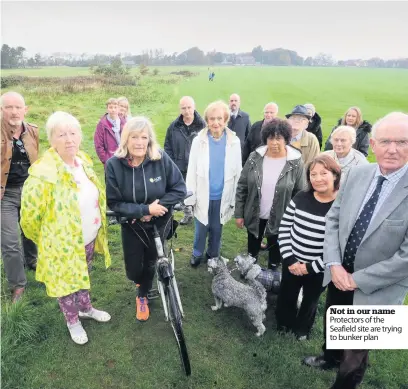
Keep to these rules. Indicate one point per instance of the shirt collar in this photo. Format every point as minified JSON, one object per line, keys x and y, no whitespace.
{"x":392,"y":177}
{"x":297,"y":137}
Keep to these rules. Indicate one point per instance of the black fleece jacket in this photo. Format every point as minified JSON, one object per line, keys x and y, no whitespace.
{"x":130,"y":190}
{"x":315,"y":128}
{"x":253,"y":140}
{"x":362,"y":138}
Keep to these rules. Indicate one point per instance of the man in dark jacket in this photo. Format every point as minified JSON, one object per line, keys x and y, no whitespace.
{"x":253,"y":139}
{"x":239,"y":120}
{"x":179,"y":137}
{"x":315,"y":123}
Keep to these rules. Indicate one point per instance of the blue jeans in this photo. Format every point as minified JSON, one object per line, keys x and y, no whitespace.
{"x":214,"y":230}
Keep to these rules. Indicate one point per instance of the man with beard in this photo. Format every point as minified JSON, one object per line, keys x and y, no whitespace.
{"x":19,"y":150}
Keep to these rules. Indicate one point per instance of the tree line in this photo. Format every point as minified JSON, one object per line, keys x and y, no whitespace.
{"x":15,"y":57}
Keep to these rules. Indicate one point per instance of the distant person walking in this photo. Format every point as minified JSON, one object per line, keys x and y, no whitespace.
{"x":179,"y":138}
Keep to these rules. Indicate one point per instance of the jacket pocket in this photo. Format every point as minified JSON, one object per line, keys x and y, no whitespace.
{"x":393,"y":223}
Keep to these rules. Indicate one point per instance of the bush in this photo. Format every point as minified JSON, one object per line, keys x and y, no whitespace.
{"x":155,"y":72}
{"x":116,"y":68}
{"x":12,"y":80}
{"x":143,"y":69}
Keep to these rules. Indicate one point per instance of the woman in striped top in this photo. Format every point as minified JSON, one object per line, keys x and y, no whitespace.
{"x":301,"y":237}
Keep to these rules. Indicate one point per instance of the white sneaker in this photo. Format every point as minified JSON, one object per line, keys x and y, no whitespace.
{"x":77,"y":332}
{"x":100,"y":316}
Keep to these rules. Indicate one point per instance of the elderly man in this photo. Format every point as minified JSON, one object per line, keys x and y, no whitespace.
{"x":179,"y":138}
{"x":239,"y":120}
{"x":19,"y":149}
{"x":253,"y":139}
{"x":315,"y":124}
{"x":305,"y":141}
{"x":366,"y":240}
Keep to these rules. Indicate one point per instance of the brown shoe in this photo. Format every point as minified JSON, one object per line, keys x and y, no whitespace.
{"x":17,"y":294}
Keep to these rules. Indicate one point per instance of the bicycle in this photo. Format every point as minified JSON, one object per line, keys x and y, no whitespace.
{"x":167,"y":284}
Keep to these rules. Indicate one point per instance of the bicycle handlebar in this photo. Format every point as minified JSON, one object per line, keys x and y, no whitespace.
{"x":122,"y":219}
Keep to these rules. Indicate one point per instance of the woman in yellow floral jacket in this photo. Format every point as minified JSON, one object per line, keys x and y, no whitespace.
{"x":63,"y":210}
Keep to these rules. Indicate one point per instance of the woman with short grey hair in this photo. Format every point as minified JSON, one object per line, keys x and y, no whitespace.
{"x":63,"y":210}
{"x":342,"y":139}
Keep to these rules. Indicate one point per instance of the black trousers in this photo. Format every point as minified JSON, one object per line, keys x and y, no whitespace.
{"x":288,"y":317}
{"x":254,"y":245}
{"x":353,"y":363}
{"x":140,"y":259}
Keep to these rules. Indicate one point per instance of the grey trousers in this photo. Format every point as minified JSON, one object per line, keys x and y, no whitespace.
{"x":13,"y":253}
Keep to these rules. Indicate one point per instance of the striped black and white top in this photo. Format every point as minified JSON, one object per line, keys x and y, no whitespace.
{"x":301,"y":232}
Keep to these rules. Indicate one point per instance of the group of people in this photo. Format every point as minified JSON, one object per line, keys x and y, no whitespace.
{"x":331,"y":219}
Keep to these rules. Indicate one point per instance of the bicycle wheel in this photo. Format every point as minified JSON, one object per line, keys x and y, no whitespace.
{"x":176,"y":323}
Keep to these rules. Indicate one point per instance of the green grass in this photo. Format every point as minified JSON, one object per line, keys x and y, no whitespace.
{"x":36,"y":349}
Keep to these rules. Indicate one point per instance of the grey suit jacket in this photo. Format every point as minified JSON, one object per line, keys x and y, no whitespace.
{"x":381,"y":263}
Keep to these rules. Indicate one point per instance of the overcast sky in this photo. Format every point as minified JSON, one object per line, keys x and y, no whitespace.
{"x":344,"y":29}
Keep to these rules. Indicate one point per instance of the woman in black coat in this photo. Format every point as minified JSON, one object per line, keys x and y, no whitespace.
{"x":354,"y":118}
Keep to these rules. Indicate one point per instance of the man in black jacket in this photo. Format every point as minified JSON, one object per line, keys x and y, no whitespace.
{"x":315,"y":123}
{"x":253,"y":139}
{"x":179,"y":138}
{"x":239,"y":120}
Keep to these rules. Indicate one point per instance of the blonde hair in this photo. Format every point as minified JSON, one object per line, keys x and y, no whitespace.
{"x":61,"y":119}
{"x":348,"y":129}
{"x":124,"y":99}
{"x":139,"y":124}
{"x":359,"y":120}
{"x":217,"y":104}
{"x":112,"y":100}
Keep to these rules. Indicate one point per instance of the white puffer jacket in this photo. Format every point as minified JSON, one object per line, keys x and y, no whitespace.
{"x":198,"y":176}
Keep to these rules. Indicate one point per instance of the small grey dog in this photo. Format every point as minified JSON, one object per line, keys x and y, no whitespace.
{"x":227,"y":290}
{"x":268,"y":278}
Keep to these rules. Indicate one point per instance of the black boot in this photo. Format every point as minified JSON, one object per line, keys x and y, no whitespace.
{"x":195,"y":261}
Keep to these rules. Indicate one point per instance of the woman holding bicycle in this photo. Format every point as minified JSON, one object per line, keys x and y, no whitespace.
{"x":142,"y":184}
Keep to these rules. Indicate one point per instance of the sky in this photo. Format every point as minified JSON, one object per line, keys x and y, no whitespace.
{"x":344,"y":29}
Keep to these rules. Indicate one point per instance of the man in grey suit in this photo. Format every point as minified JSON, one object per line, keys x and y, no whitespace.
{"x":366,"y":240}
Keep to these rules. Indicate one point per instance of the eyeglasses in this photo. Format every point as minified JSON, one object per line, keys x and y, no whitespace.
{"x":20,"y":146}
{"x":400,"y":144}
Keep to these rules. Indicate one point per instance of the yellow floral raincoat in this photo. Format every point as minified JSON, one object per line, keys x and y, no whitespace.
{"x":51,"y":218}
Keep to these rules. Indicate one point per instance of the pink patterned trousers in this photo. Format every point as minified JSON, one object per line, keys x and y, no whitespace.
{"x":81,"y":300}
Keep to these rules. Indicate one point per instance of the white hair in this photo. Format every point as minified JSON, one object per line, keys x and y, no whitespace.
{"x":347,"y":129}
{"x":392,"y":115}
{"x":61,"y":119}
{"x":10,"y":94}
{"x":272,"y":103}
{"x":311,"y":107}
{"x":187,"y":97}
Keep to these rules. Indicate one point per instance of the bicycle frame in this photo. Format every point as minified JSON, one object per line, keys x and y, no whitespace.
{"x":165,"y":273}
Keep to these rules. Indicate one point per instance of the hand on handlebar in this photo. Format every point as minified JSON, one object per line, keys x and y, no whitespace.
{"x":155,"y":209}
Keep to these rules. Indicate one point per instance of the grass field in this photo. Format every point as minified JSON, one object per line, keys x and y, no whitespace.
{"x":36,"y":350}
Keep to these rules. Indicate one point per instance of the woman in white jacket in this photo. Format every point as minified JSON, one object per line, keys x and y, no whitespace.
{"x":213,"y":172}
